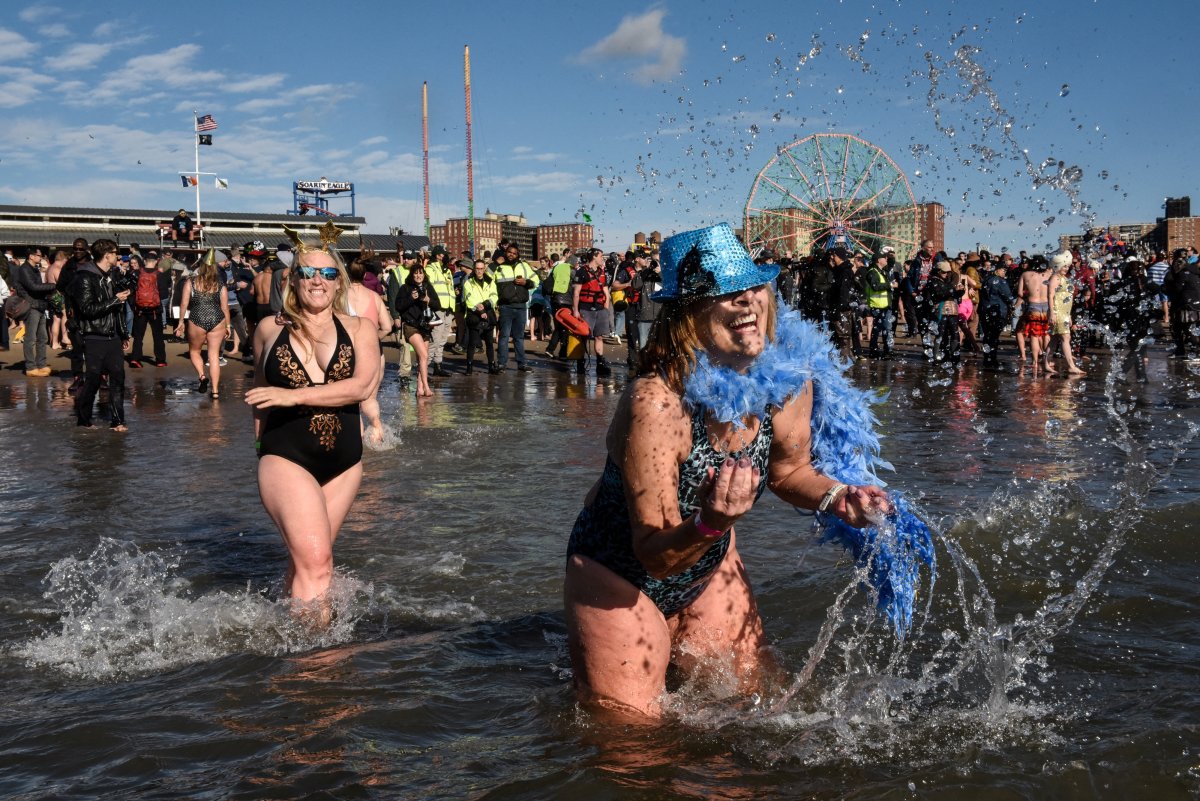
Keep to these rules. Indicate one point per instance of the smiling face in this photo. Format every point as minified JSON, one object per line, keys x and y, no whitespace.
{"x":733,"y":328}
{"x":314,"y":294}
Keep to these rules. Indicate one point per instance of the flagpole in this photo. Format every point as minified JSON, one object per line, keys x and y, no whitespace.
{"x":196,"y":140}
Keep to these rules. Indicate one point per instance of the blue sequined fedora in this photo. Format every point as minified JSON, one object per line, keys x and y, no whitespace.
{"x":708,"y":262}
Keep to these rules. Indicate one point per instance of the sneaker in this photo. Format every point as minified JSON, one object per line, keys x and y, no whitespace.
{"x":455,"y":349}
{"x":222,"y":361}
{"x":494,"y":369}
{"x":524,"y":368}
{"x":160,"y":364}
{"x":135,"y":364}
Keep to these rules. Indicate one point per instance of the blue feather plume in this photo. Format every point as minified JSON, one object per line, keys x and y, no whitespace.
{"x":845,"y":446}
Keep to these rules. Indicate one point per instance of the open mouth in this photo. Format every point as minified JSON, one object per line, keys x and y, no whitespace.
{"x":747,"y":322}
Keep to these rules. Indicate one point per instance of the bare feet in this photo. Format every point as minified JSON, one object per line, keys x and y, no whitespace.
{"x":375,"y":434}
{"x":1076,"y":371}
{"x":121,"y":428}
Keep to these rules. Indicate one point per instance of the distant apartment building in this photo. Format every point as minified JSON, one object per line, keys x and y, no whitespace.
{"x":563,"y":238}
{"x":931,"y":224}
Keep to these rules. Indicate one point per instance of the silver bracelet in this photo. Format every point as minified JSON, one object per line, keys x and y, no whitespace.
{"x":830,"y":496}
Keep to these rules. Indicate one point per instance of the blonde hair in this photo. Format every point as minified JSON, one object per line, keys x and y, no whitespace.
{"x":674,"y":339}
{"x":291,"y":311}
{"x":205,"y":278}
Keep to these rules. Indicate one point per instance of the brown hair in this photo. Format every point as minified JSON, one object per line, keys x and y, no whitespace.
{"x":675,"y":339}
{"x":205,"y":278}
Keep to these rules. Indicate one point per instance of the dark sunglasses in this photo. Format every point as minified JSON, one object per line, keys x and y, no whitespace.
{"x":328,"y":273}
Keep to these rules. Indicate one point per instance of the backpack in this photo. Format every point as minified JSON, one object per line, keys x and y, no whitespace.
{"x":146,"y":295}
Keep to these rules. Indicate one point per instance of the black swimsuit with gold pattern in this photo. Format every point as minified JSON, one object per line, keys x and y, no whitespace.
{"x":325,"y":441}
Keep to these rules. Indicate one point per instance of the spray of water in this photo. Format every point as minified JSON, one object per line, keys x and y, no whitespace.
{"x":122,"y":612}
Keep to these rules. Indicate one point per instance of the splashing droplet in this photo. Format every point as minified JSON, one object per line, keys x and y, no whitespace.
{"x":753,"y":130}
{"x":1066,"y":90}
{"x":841,"y":89}
{"x":724,"y":47}
{"x":770,"y":37}
{"x":738,"y":59}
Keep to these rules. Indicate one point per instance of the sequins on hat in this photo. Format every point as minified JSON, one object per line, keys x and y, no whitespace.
{"x":708,"y":262}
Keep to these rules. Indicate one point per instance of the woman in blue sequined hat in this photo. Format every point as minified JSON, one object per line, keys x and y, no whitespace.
{"x":718,"y":414}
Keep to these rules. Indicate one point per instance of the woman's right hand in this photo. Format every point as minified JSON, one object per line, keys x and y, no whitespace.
{"x":727,"y":494}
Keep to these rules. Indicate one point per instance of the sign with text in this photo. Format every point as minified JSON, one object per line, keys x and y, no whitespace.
{"x":323,"y":186}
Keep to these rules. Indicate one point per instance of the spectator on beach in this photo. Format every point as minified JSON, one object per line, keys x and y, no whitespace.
{"x":995,"y":309}
{"x":419,"y":310}
{"x":57,"y":303}
{"x":100,"y":320}
{"x":369,"y":305}
{"x":279,"y":272}
{"x":147,"y":312}
{"x":558,"y":289}
{"x":204,"y":313}
{"x":913,"y":288}
{"x":30,"y":285}
{"x":877,"y":326}
{"x":439,"y":275}
{"x":1062,"y":296}
{"x":942,"y":292}
{"x":479,"y":300}
{"x":1034,"y":294}
{"x":590,"y":302}
{"x":183,"y":227}
{"x":515,"y":280}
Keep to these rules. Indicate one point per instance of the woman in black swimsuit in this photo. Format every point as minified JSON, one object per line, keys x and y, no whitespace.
{"x":313,"y":365}
{"x":653,"y":572}
{"x":206,"y":310}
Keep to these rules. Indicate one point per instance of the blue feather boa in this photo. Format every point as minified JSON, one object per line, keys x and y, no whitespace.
{"x":845,"y":446}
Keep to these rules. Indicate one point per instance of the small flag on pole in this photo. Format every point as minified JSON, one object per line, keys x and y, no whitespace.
{"x":222,"y":183}
{"x":205,"y":139}
{"x":188,"y":181}
{"x":206,"y":123}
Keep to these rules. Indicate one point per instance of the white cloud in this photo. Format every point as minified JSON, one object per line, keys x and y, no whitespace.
{"x":20,"y":85}
{"x":79,"y":56}
{"x":171,"y":68}
{"x":106,"y":29}
{"x":549,"y":181}
{"x":37,"y":13}
{"x":321,"y":95}
{"x":641,"y":39}
{"x":522,"y":149}
{"x":14,"y":46}
{"x":55,"y":31}
{"x":528,"y":155}
{"x":374,"y":140}
{"x":255,"y":84}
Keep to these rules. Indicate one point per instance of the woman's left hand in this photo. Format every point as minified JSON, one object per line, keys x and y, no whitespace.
{"x":269,"y":397}
{"x":862,"y":506}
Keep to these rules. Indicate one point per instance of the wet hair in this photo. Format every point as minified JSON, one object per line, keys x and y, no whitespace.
{"x":674,"y":339}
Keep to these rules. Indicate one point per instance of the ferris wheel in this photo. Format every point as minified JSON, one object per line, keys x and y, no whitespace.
{"x":831,"y":190}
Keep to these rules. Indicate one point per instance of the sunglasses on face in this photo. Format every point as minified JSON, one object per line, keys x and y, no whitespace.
{"x":328,"y":273}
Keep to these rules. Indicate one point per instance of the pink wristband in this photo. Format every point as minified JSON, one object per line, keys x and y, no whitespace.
{"x":705,"y":530}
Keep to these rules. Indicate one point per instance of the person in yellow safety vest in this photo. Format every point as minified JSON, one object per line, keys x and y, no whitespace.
{"x":878,"y":323}
{"x":479,"y":301}
{"x":395,"y":276}
{"x":515,"y":281}
{"x":558,"y":289}
{"x":440,"y":279}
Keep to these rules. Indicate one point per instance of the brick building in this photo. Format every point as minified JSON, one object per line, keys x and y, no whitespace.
{"x":563,"y":238}
{"x":931,"y":224}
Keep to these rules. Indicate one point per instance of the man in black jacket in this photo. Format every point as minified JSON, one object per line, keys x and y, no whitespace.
{"x":100,"y":316}
{"x":28,"y":284}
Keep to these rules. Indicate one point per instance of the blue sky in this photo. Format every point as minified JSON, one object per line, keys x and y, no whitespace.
{"x":645,"y":116}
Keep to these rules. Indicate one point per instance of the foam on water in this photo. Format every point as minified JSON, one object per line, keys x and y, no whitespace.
{"x":977,"y":670}
{"x":122,"y":612}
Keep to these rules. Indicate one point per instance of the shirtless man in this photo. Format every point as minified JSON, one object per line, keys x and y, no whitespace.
{"x":1033,"y":291}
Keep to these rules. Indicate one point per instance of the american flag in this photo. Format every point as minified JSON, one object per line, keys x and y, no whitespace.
{"x":206,"y":123}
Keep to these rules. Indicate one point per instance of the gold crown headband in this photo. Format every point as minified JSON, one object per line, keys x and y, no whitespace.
{"x":328,"y":232}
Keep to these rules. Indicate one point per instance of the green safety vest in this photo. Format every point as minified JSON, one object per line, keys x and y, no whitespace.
{"x":877,"y":298}
{"x":559,"y":279}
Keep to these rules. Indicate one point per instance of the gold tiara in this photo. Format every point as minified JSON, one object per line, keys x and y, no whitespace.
{"x":328,"y":232}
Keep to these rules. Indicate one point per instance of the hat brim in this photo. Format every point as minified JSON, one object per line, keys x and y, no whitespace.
{"x":759,"y":275}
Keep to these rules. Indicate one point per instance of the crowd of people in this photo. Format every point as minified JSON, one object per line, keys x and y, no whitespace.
{"x":1044,"y":312}
{"x":961,"y":306}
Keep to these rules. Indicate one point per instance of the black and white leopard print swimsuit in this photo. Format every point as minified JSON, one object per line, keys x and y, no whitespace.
{"x":604,"y":534}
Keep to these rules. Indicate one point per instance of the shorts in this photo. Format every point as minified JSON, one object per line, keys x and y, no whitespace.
{"x":410,"y":330}
{"x":598,"y":321}
{"x":1036,"y":324}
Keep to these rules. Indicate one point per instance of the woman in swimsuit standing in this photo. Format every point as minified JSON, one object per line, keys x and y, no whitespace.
{"x":306,"y":428}
{"x":204,"y":311}
{"x":653,"y":573}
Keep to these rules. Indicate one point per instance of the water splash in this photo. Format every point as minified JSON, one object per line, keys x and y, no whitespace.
{"x":126,"y":612}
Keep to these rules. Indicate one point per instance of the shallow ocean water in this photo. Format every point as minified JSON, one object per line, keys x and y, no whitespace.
{"x":145,"y":654}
